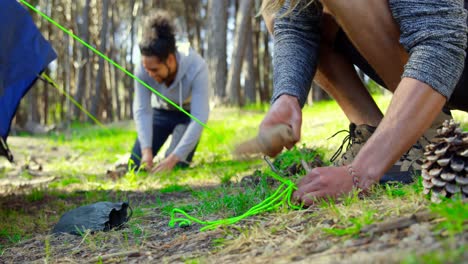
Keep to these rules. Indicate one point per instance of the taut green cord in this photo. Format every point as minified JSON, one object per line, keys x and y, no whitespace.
{"x":118,"y":66}
{"x":50,"y":81}
{"x":69,"y":97}
{"x":281,"y":196}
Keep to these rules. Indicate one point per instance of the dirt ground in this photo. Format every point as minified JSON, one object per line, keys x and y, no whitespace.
{"x":283,"y":237}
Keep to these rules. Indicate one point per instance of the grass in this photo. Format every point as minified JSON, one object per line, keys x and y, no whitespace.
{"x":455,"y":213}
{"x":447,"y":256}
{"x":79,"y":160}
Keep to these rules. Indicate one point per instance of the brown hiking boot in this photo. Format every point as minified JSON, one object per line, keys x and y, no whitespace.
{"x":357,"y":137}
{"x":412,"y":160}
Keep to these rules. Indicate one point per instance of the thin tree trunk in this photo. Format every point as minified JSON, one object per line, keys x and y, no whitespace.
{"x":69,"y":48}
{"x":248,"y":68}
{"x":130,"y":89}
{"x":83,"y":60}
{"x":265,"y":91}
{"x":196,"y":25}
{"x":243,"y":17}
{"x":256,"y":52}
{"x":114,"y":71}
{"x":100,"y":72}
{"x":216,"y":53}
{"x":188,"y":22}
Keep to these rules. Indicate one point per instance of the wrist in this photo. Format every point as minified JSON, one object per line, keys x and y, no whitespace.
{"x":147,"y":151}
{"x":288,"y":98}
{"x":173,"y":158}
{"x":363,"y":177}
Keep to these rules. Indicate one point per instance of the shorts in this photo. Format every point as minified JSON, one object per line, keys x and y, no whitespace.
{"x":342,"y":45}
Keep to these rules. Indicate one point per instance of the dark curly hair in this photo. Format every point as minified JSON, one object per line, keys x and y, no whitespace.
{"x":158,"y":36}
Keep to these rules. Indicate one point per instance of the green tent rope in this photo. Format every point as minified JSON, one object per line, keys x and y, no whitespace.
{"x":69,"y":97}
{"x":50,"y":81}
{"x":281,"y":196}
{"x":94,"y":50}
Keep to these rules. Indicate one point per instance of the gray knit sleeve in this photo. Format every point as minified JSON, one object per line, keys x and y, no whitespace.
{"x":434,"y":33}
{"x":142,"y":112}
{"x":200,"y":108}
{"x":296,"y":46}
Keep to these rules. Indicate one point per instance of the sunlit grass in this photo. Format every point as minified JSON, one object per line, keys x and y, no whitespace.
{"x":79,"y":160}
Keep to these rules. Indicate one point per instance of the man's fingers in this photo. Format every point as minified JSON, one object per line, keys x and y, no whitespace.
{"x":296,"y":195}
{"x":307,"y":186}
{"x":272,"y":154}
{"x":147,"y":166}
{"x":310,"y":198}
{"x":296,"y":129}
{"x":311,"y":186}
{"x":306,"y":199}
{"x":290,"y":145}
{"x":313,"y":175}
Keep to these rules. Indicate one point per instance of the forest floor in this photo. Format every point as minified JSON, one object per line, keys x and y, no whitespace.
{"x":61,"y":171}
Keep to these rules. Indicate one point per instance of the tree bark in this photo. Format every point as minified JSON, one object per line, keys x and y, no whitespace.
{"x":233,"y":82}
{"x":114,"y":71}
{"x":248,"y":68}
{"x":100,"y":72}
{"x":256,"y":31}
{"x":216,"y":53}
{"x":83,"y":60}
{"x":131,"y":67}
{"x":266,"y":91}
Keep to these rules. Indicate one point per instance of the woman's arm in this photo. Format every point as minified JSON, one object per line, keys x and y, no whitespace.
{"x":296,"y":48}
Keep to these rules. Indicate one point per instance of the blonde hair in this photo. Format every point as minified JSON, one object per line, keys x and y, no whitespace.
{"x":272,"y":6}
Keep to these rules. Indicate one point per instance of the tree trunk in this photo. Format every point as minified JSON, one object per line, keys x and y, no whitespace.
{"x":130,"y":88}
{"x":256,"y":31}
{"x":69,"y":48}
{"x":265,"y":91}
{"x":188,"y":12}
{"x":248,"y":68}
{"x":233,"y":82}
{"x":216,"y":53}
{"x":83,"y":60}
{"x":202,"y":9}
{"x":114,"y":71}
{"x":100,"y":72}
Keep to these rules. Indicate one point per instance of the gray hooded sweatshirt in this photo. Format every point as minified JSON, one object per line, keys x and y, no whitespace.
{"x":189,"y":90}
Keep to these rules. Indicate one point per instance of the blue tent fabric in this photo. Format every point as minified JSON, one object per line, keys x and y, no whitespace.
{"x":24,"y":54}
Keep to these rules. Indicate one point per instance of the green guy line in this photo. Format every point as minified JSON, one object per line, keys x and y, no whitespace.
{"x":69,"y":97}
{"x":115,"y":64}
{"x":50,"y":81}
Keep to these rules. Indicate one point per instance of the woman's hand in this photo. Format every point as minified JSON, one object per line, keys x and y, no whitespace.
{"x":285,"y":110}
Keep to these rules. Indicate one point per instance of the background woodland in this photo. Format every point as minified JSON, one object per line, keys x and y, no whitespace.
{"x":227,"y":33}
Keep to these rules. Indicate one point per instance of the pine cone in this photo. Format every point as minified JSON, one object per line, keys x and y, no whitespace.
{"x":445,"y":168}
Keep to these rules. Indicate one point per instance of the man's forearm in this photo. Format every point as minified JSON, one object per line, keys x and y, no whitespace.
{"x":413,"y":108}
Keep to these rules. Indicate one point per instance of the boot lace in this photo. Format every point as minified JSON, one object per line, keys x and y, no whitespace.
{"x":349,"y":140}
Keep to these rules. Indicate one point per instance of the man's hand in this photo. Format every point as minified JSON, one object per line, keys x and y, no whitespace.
{"x":322,"y":183}
{"x":167,"y":164}
{"x":147,"y":158}
{"x":285,"y":110}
